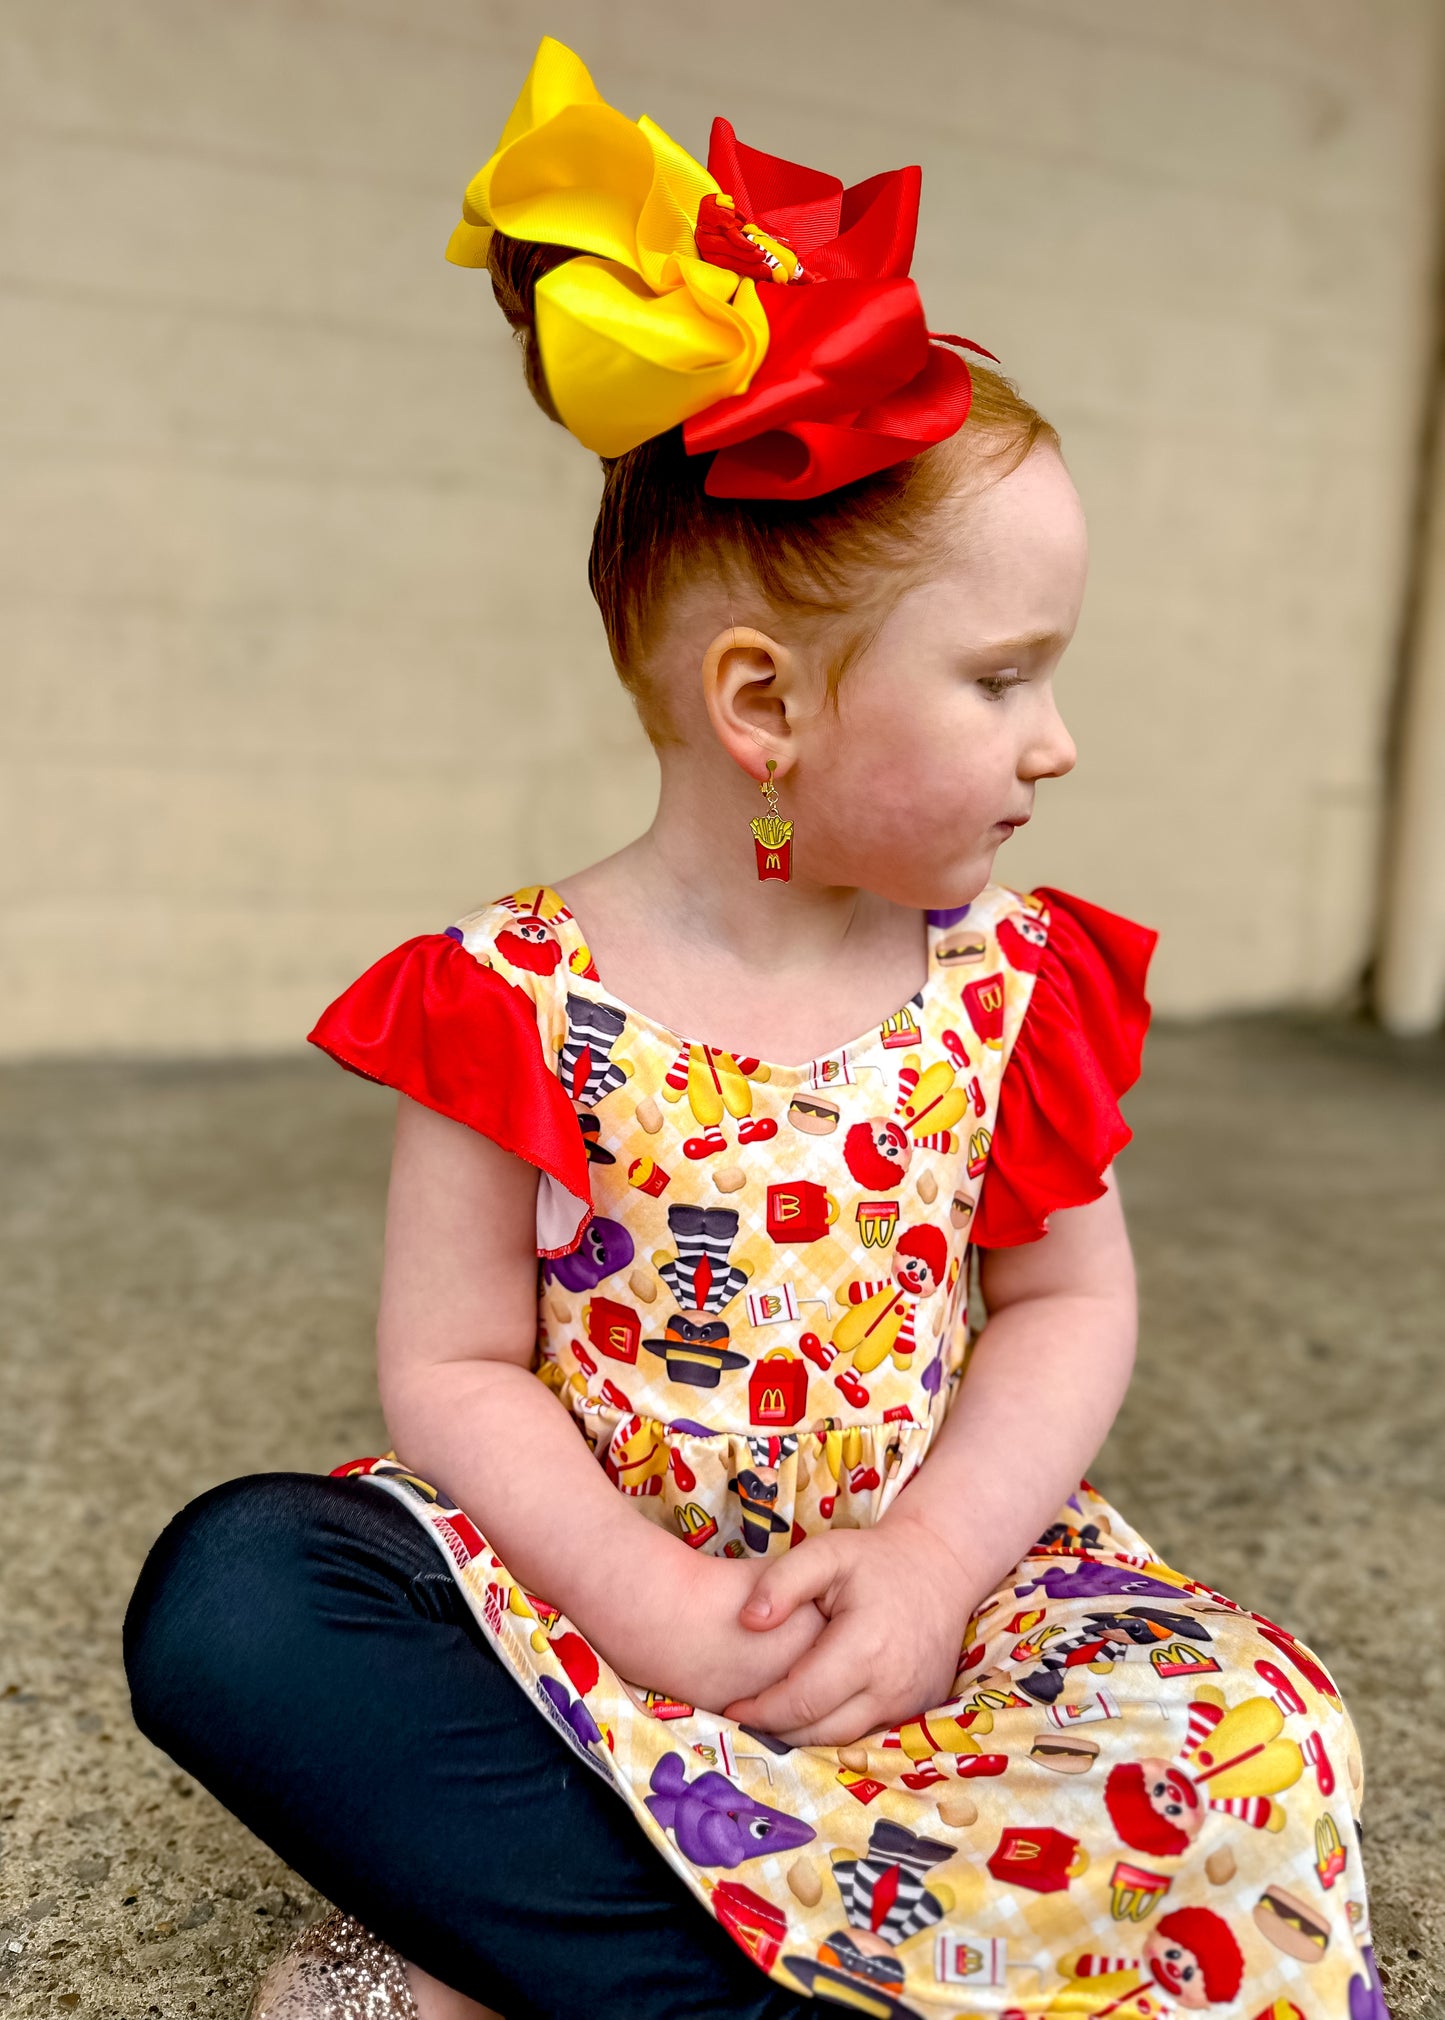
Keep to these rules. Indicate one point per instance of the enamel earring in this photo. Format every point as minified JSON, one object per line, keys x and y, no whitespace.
{"x":772,"y":836}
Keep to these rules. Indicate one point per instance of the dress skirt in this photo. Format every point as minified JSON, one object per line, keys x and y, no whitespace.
{"x":1139,"y":1799}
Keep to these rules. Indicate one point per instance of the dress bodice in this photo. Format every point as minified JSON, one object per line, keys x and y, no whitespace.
{"x":767,"y":1313}
{"x":754,"y":1278}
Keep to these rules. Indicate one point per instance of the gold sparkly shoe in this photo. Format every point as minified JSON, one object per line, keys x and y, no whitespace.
{"x":335,"y":1970}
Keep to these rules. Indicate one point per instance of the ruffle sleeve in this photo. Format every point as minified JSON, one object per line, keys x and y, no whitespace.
{"x":1058,"y":1125}
{"x":432,"y":1021}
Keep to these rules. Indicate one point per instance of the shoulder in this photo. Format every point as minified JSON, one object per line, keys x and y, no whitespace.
{"x":1024,"y":922}
{"x":1093,"y":969}
{"x":1056,"y":939}
{"x":465,"y":1022}
{"x":448,"y":1001}
{"x":529,"y":931}
{"x":1077,"y":1051}
{"x":529,"y":936}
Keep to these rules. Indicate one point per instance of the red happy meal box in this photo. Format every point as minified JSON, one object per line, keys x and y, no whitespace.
{"x":612,"y":1328}
{"x":1042,"y":1859}
{"x":777,"y":1388}
{"x":754,"y":1924}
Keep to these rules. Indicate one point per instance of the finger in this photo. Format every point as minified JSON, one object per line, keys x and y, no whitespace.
{"x":845,"y":1726}
{"x":788,"y":1582}
{"x":832,"y":1671}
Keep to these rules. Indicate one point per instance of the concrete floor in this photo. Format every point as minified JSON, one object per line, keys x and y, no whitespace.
{"x":188,"y":1274}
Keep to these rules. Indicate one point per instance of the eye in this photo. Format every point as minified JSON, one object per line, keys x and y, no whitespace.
{"x":997,"y":685}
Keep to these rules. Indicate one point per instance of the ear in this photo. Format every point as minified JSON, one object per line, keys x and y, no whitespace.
{"x":754,"y":690}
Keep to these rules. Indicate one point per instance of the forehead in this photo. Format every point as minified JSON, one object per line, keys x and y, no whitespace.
{"x":1019,"y":559}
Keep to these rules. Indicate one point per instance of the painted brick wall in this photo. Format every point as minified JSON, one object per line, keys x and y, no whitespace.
{"x":296,"y":654}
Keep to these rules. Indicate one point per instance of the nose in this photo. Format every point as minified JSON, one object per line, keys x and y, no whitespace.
{"x":1051,"y":752}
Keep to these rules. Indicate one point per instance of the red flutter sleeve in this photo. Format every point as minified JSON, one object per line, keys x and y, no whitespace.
{"x":1058,"y":1125}
{"x":433,"y":1022}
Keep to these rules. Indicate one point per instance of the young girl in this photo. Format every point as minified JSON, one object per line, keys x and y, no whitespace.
{"x":762,"y":1604}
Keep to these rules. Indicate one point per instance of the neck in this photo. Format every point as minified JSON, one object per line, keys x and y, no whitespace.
{"x":695,"y":866}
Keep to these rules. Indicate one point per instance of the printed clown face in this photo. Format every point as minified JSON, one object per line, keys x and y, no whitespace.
{"x":1022,"y":941}
{"x":916,"y":1273}
{"x":1177,"y":1970}
{"x":1172,"y":1795}
{"x":878,"y":1153}
{"x":530,"y":944}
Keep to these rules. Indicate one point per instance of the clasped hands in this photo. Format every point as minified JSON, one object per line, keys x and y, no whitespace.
{"x":868,"y":1625}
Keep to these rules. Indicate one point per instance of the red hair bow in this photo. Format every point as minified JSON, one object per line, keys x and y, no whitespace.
{"x":852,"y":380}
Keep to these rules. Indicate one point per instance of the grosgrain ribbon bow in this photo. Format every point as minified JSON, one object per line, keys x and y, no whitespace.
{"x":758,"y":304}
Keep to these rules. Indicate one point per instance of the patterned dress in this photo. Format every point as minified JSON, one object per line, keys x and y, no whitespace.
{"x":753,"y":1300}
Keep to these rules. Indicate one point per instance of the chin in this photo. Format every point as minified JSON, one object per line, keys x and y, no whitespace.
{"x":959,"y":885}
{"x":920,"y":886}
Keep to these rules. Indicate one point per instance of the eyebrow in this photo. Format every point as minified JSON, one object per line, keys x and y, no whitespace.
{"x":1028,"y":641}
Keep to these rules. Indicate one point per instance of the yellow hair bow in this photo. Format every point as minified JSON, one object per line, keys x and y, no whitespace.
{"x":639,"y":333}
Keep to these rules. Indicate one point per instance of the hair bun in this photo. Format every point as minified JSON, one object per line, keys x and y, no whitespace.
{"x":515,"y":266}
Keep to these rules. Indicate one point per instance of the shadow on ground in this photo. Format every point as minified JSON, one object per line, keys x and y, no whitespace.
{"x":188,"y":1275}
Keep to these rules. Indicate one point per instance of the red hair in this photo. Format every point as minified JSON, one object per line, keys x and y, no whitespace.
{"x":867,"y":1163}
{"x":1135,"y":1818}
{"x":928,"y":1244}
{"x":1208,"y":1936}
{"x":844,"y":558}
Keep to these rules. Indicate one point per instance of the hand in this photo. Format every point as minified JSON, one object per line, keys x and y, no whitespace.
{"x":897,"y":1600}
{"x":706,"y":1656}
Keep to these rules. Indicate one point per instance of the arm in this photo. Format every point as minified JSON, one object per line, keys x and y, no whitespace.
{"x":456,"y":1339}
{"x":1042,"y":1387}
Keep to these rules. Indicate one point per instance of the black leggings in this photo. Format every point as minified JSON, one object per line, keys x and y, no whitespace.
{"x":299,"y":1645}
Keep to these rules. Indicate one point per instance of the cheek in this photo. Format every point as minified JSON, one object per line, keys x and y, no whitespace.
{"x":901,"y":790}
{"x":860,"y":782}
{"x":897,"y":775}
{"x":960,"y":777}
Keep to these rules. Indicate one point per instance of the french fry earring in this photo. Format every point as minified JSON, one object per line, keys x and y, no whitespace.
{"x":772,"y":836}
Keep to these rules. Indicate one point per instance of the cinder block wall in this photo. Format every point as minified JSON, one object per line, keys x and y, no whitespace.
{"x":296,"y":654}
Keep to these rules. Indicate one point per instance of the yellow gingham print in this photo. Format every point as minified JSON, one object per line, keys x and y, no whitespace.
{"x":1140,"y":1799}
